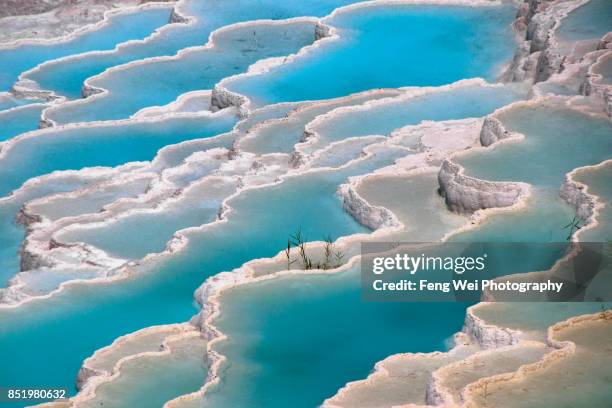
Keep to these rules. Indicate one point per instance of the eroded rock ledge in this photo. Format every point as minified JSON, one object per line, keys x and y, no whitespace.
{"x":466,"y":195}
{"x":535,"y":58}
{"x":492,"y":131}
{"x":373,"y":217}
{"x":574,"y":193}
{"x":486,"y":335}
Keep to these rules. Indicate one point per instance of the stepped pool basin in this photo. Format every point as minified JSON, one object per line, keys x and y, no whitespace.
{"x":66,"y":77}
{"x":11,"y":234}
{"x":120,"y":28}
{"x":598,"y":183}
{"x":556,"y":141}
{"x":180,"y":372}
{"x":144,"y":232}
{"x":381,"y":119}
{"x":101,"y":145}
{"x":605,"y":70}
{"x":445,"y":37}
{"x":19,"y":120}
{"x":590,"y":21}
{"x":281,"y":136}
{"x":82,"y":318}
{"x":274,"y":360}
{"x":234,"y":50}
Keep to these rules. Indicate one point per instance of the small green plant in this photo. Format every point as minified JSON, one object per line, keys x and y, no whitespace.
{"x":288,"y":255}
{"x":332,"y":257}
{"x":329,"y":252}
{"x":573,"y":226}
{"x":339,"y":255}
{"x":298,"y":241}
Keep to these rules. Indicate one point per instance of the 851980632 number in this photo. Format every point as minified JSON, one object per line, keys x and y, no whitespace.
{"x":8,"y":394}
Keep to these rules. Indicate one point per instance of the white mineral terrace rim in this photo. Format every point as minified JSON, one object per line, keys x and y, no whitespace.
{"x":597,"y":203}
{"x":460,"y":339}
{"x":174,"y":106}
{"x":572,"y":70}
{"x":561,"y":349}
{"x":93,"y":378}
{"x":95,"y":92}
{"x":594,"y":77}
{"x":558,"y":11}
{"x":176,"y":332}
{"x":436,"y":389}
{"x":8,"y":144}
{"x":108,"y":14}
{"x":24,"y":84}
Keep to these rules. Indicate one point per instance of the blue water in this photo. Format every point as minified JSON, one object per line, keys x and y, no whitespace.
{"x":146,"y":232}
{"x":301,"y":339}
{"x":558,"y":140}
{"x":163,"y":82}
{"x":393,"y":46}
{"x":153,"y":380}
{"x":281,"y":136}
{"x":464,"y":102}
{"x":10,"y":234}
{"x":74,"y":324}
{"x":80,"y":147}
{"x":8,"y":101}
{"x":122,"y":27}
{"x":590,"y":21}
{"x":19,"y":120}
{"x":66,"y":77}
